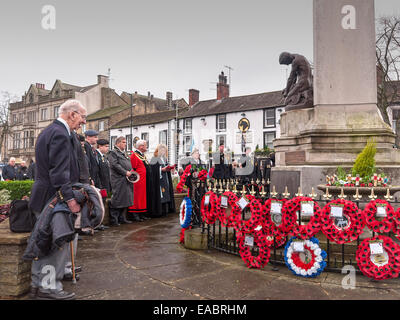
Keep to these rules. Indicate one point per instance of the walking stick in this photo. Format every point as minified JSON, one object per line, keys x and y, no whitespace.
{"x":71,"y":246}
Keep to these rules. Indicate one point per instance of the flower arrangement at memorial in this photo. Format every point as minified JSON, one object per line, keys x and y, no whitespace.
{"x":273,"y":226}
{"x":185,"y":217}
{"x":257,"y":216}
{"x":209,"y":211}
{"x":304,"y":257}
{"x":363,"y":174}
{"x":379,"y":215}
{"x":306,"y":206}
{"x":182,"y":181}
{"x":226,"y":200}
{"x":342,"y":221}
{"x":5,"y":204}
{"x":247,"y":241}
{"x":379,"y":258}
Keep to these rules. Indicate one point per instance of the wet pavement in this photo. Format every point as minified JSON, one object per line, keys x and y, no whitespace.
{"x":144,"y":261}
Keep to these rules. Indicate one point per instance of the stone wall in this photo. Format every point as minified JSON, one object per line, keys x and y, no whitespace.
{"x":15,"y":273}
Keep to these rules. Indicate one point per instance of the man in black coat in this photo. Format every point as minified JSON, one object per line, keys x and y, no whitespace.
{"x":10,"y":170}
{"x":104,"y":167}
{"x":57,"y":169}
{"x":222,"y":167}
{"x":90,"y":148}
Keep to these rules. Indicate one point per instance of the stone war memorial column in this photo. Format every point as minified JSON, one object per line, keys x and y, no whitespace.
{"x":315,"y":141}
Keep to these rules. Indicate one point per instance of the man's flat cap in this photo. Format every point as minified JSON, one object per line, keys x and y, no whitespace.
{"x":91,"y":133}
{"x":102,"y":142}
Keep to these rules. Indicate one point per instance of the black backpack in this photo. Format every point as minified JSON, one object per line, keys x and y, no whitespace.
{"x":21,"y":218}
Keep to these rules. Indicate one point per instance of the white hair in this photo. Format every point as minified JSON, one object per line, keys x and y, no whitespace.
{"x":71,"y":105}
{"x":12,"y":159}
{"x":140,"y":143}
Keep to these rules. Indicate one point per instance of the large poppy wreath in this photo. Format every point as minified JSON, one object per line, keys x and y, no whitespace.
{"x":185,"y":215}
{"x":257,"y":216}
{"x":373,"y":223}
{"x":396,"y":224}
{"x":233,"y":220}
{"x":344,"y":229}
{"x":290,"y":220}
{"x":380,"y":266}
{"x":182,"y":181}
{"x":245,"y":251}
{"x":273,"y":226}
{"x":209,"y":212}
{"x":309,"y":263}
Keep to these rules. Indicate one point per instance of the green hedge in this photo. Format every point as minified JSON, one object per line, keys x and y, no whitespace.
{"x":17,"y":189}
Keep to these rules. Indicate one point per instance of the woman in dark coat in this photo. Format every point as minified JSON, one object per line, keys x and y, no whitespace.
{"x":122,"y":190}
{"x":162,"y":171}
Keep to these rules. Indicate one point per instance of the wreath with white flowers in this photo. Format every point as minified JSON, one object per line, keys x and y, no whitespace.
{"x":264,"y":252}
{"x":209,"y":212}
{"x":370,"y":213}
{"x":289,"y":218}
{"x":185,"y":216}
{"x":342,"y":229}
{"x":309,"y":263}
{"x":379,"y":266}
{"x":233,"y":220}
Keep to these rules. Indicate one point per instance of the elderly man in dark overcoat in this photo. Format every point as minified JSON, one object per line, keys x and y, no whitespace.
{"x":122,"y":190}
{"x":56,"y":170}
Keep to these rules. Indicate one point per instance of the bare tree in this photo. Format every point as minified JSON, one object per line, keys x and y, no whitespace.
{"x":5,"y":99}
{"x":388,"y":63}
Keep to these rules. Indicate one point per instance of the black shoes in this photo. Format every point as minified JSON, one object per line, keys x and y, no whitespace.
{"x":125,"y":222}
{"x":102,"y":227}
{"x":68,"y":277}
{"x":114,"y":224}
{"x":55,"y":295}
{"x":144,"y":217}
{"x":136,"y":217}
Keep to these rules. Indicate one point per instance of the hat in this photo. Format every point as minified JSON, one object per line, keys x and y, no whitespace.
{"x":102,"y":142}
{"x":91,"y":133}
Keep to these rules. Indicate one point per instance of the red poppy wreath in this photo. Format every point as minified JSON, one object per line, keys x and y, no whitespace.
{"x":259,"y":239}
{"x":233,"y":220}
{"x":379,"y":215}
{"x":305,"y":205}
{"x":182,"y":181}
{"x":209,"y":212}
{"x":396,"y":224}
{"x":382,"y":264}
{"x":257,"y":216}
{"x":344,"y":228}
{"x":273,"y":218}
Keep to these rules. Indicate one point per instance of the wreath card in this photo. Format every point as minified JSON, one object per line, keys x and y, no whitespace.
{"x":243,"y":202}
{"x":207,"y":200}
{"x":276,"y":207}
{"x":224,"y":202}
{"x":307,"y":208}
{"x":249,"y":241}
{"x":381,"y":210}
{"x":337,"y":210}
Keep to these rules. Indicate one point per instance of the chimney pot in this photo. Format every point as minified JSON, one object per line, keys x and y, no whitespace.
{"x":193,"y":96}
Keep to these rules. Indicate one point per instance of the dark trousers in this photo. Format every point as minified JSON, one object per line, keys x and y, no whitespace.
{"x":117,"y":215}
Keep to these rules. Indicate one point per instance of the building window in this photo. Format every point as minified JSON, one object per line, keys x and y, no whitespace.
{"x":30,"y":97}
{"x":145,"y":137}
{"x":268,"y":139}
{"x":26,"y":139}
{"x":269,"y":118}
{"x":21,"y":118}
{"x":221,"y":122}
{"x":187,"y":144}
{"x":16,"y":140}
{"x":113,"y":139}
{"x":14,"y":118}
{"x":31,"y":115}
{"x":128,"y":138}
{"x":163,"y":135}
{"x":221,"y":139}
{"x":55,"y":112}
{"x":31,"y":139}
{"x":43,"y":114}
{"x":187,"y":126}
{"x":101,"y":125}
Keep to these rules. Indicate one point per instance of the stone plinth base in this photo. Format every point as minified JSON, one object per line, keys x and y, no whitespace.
{"x":178,"y":197}
{"x":15,"y":273}
{"x":333,"y":136}
{"x":195,"y":240}
{"x":307,"y":177}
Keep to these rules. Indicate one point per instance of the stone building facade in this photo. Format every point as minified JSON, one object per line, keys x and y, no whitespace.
{"x":39,"y":107}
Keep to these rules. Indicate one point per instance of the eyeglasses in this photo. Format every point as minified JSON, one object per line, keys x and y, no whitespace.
{"x":83,"y":116}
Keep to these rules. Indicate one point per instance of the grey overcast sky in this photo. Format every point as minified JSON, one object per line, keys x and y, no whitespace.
{"x":157,"y":45}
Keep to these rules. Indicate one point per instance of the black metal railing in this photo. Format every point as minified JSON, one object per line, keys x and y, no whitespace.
{"x":224,"y":238}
